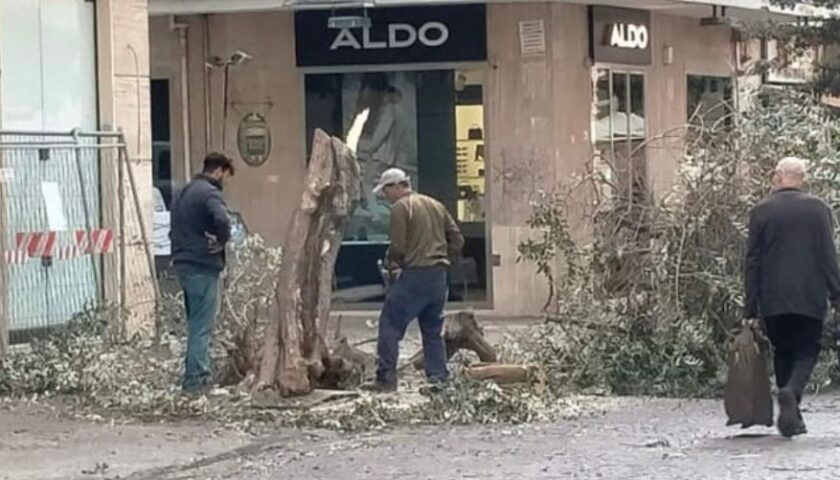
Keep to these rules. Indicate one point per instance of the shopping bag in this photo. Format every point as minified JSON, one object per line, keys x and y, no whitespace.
{"x":747,"y":396}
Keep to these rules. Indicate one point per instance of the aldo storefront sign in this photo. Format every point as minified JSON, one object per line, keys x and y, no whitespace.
{"x":620,"y":35}
{"x":456,"y":33}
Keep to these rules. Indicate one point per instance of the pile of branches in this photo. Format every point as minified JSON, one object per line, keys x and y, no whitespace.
{"x":84,"y":363}
{"x":644,"y":304}
{"x":648,"y":302}
{"x":99,"y":375}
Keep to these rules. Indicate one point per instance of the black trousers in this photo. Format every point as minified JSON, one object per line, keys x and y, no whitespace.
{"x":797,"y":341}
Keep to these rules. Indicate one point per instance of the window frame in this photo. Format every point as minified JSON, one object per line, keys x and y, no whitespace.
{"x":600,"y":154}
{"x":489,"y":300}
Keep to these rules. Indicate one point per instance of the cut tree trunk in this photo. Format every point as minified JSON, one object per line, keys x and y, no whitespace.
{"x":295,"y":354}
{"x":461,"y":331}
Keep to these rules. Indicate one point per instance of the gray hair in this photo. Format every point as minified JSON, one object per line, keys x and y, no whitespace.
{"x":792,"y":167}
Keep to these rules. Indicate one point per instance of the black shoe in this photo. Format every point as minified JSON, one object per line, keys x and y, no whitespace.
{"x":379,"y":387}
{"x":801,"y":429}
{"x":433,"y":388}
{"x":197,"y":392}
{"x":789,"y":422}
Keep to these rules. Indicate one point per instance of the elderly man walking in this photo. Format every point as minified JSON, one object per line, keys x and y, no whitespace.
{"x":424,"y":238}
{"x":790,"y":273}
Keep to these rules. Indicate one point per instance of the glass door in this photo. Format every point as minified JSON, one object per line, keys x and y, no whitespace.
{"x":428,"y":123}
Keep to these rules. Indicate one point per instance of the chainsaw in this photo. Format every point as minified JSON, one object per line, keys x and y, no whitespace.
{"x":388,"y":276}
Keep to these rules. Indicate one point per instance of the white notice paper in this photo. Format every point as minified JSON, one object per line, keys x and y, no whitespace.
{"x":7,"y":175}
{"x":55,"y":207}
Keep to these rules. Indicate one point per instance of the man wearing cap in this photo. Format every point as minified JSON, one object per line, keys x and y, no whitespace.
{"x":424,"y":238}
{"x":791,"y":274}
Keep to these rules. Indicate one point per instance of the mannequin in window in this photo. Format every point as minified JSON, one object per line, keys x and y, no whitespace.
{"x":383,"y":144}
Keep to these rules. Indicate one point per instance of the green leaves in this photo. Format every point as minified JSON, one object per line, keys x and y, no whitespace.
{"x":656,"y":320}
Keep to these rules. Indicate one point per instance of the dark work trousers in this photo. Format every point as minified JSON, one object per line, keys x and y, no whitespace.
{"x":418,"y":293}
{"x":797,"y":341}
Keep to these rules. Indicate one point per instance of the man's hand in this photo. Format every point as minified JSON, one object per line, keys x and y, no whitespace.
{"x":213,"y":245}
{"x":395,"y":270}
{"x":836,"y":329}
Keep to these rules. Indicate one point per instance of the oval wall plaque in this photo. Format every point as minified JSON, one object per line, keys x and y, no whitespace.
{"x":254,"y":139}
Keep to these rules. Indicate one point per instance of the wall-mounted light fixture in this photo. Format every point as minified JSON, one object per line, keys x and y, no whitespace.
{"x":668,"y":55}
{"x":716,"y":20}
{"x":237,"y":58}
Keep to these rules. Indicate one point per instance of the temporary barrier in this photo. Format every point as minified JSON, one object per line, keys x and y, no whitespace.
{"x":66,"y":231}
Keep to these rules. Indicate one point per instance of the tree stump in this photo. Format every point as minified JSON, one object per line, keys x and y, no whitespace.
{"x":295,"y":354}
{"x":461,"y":331}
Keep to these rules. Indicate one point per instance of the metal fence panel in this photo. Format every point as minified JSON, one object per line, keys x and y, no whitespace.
{"x":52,"y":192}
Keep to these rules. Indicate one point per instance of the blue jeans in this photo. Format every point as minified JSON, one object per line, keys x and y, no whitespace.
{"x":201,"y":296}
{"x":418,"y":293}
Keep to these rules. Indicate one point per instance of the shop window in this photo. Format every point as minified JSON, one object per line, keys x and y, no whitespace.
{"x":161,"y":141}
{"x":709,"y":101}
{"x":619,"y":130}
{"x":469,"y":126}
{"x":430,"y":124}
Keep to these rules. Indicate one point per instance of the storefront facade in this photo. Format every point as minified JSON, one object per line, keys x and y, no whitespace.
{"x":484,"y":104}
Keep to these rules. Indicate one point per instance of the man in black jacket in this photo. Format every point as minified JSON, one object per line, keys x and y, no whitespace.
{"x":200,"y":230}
{"x":791,"y":272}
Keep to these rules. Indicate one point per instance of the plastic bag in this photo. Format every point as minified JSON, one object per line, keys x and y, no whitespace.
{"x":747,"y":396}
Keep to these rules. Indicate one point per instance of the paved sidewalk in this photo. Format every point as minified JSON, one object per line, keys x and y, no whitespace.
{"x":636,"y":439}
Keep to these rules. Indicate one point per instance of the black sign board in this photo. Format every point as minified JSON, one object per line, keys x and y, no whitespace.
{"x":620,"y":35}
{"x":456,"y":33}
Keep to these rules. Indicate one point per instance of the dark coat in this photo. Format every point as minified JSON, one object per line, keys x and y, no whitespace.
{"x":791,"y":261}
{"x":198,"y":210}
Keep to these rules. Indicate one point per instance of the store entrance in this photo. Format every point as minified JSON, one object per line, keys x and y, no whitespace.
{"x":429,"y":123}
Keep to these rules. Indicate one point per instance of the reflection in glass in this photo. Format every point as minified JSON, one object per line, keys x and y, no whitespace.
{"x":620,"y":129}
{"x":388,"y":139}
{"x":604,"y":106}
{"x":637,"y":106}
{"x":429,"y":123}
{"x":709,"y":100}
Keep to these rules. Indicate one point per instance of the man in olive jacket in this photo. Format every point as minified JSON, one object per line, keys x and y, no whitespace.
{"x":424,"y":239}
{"x":200,"y":230}
{"x":790,"y":274}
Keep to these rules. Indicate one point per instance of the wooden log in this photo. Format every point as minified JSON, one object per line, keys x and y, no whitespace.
{"x":348,"y":367}
{"x":462,"y":331}
{"x":499,"y":373}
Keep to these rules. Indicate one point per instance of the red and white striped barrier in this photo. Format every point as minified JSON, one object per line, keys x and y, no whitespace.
{"x":97,"y":242}
{"x":67,"y":252}
{"x":15,"y":257}
{"x":30,"y":245}
{"x":43,"y":244}
{"x":37,"y":244}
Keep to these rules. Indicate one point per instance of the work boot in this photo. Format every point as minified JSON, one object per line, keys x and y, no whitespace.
{"x":789,"y":422}
{"x":379,"y":387}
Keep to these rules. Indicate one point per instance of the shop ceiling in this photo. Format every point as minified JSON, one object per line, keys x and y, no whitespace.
{"x":744,"y":10}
